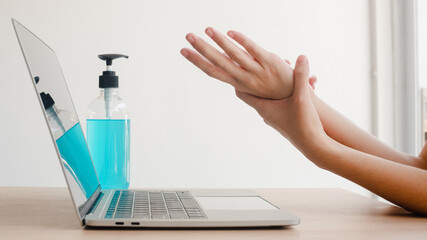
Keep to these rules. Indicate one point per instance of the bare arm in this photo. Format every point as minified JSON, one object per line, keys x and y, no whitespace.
{"x":264,"y":74}
{"x":399,"y":183}
{"x":347,"y":133}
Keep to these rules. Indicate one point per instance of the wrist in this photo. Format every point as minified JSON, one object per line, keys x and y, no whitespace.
{"x":320,"y":150}
{"x":314,"y":98}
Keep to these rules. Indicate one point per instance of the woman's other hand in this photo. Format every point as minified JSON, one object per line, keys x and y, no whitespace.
{"x":294,"y":117}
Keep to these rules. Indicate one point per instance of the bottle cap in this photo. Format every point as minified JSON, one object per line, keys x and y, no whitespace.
{"x":108,"y":79}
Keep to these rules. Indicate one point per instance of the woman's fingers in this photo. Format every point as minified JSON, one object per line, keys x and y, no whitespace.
{"x":312,"y":81}
{"x":215,"y":57}
{"x":259,"y":53}
{"x":234,"y":52}
{"x":207,"y":67}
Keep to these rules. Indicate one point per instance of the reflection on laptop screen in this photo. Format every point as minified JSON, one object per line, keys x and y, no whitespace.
{"x":61,"y":116}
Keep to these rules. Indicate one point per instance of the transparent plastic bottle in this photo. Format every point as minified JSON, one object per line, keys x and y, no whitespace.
{"x":108,"y":131}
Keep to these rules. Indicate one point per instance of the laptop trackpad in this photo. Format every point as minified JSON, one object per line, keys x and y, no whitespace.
{"x":234,"y":203}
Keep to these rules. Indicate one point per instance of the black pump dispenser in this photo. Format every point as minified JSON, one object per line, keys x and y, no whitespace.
{"x":47,"y":100}
{"x":108,"y":79}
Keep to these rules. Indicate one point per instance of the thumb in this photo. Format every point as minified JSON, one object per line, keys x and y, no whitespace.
{"x":301,"y":75}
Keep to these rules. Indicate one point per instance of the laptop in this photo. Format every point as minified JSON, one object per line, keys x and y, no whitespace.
{"x":97,"y":207}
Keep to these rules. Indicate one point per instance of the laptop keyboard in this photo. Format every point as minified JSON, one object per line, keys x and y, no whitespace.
{"x":154,"y":205}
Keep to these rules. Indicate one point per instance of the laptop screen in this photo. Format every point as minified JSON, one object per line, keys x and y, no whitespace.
{"x":61,"y":117}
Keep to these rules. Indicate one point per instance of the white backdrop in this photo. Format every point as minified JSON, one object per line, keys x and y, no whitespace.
{"x":187,"y":130}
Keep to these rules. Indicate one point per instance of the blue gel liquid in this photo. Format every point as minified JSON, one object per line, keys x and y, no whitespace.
{"x":108,"y":141}
{"x":76,"y":159}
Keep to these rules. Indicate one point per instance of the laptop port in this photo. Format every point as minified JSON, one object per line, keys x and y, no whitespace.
{"x":120,"y":223}
{"x":135,"y":223}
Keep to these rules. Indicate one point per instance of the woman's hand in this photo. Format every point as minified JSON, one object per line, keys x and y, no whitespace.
{"x":294,"y":117}
{"x":257,"y":71}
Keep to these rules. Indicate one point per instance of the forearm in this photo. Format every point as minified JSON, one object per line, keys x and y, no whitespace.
{"x":401,"y":184}
{"x":347,"y":133}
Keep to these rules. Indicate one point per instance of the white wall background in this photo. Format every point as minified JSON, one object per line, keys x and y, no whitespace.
{"x":187,"y":130}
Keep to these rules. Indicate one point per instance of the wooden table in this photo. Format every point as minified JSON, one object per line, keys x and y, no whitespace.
{"x":47,"y":213}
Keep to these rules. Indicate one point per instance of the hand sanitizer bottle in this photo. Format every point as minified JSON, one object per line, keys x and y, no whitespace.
{"x":108,"y":130}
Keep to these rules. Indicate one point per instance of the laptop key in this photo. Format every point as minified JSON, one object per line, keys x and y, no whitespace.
{"x":189,"y":203}
{"x":178,"y":216}
{"x":160,"y":217}
{"x":184,"y":195}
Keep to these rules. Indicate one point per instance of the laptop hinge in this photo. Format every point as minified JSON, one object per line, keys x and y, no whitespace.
{"x":95,"y":204}
{"x":86,"y":208}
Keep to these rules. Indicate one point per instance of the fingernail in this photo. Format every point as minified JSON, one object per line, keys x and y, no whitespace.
{"x":184,"y":53}
{"x":209,"y":32}
{"x":231,"y":34}
{"x":302,"y":59}
{"x":190,"y":39}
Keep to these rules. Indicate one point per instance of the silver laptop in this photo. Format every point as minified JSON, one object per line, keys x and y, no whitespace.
{"x":129,"y":208}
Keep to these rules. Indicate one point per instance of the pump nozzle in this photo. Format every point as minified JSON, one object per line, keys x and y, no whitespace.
{"x":108,"y":80}
{"x":110,"y":57}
